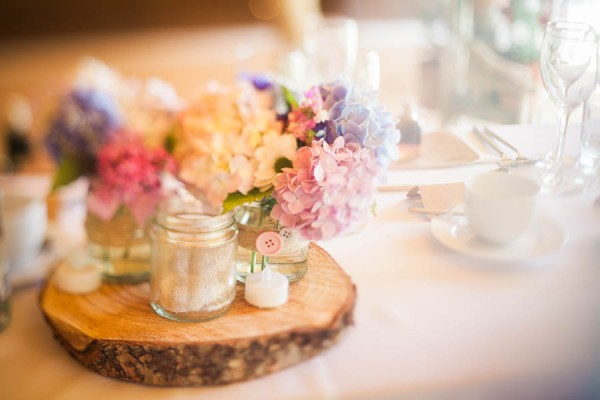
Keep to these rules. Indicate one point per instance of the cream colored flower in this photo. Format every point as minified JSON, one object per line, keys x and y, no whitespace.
{"x":244,"y":169}
{"x":277,"y":151}
{"x":217,"y":142}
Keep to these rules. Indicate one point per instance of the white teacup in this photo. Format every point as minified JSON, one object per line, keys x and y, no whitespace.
{"x":499,"y":206}
{"x":24,"y":228}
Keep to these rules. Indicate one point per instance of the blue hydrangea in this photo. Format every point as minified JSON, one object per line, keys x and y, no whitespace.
{"x":359,"y":118}
{"x":83,"y":122}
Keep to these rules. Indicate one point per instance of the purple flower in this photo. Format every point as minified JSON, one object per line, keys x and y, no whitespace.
{"x":84,"y":121}
{"x":360,"y":119}
{"x":259,"y":81}
{"x":357,"y":116}
{"x":262,"y":82}
{"x":326,"y":129}
{"x":332,"y":93}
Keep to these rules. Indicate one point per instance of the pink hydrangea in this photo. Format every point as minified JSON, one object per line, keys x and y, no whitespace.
{"x":128,"y":173}
{"x":328,"y":191}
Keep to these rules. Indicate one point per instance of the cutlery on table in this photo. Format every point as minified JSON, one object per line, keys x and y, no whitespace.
{"x":411,"y":190}
{"x":504,"y":158}
{"x":395,"y":188}
{"x":431,"y":211}
{"x":491,"y":139}
{"x":519,"y":155}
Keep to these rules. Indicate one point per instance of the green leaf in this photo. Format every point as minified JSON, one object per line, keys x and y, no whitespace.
{"x":170,"y":142}
{"x":267,"y":204}
{"x":288,"y":95}
{"x":374,"y":209}
{"x":282,"y":163}
{"x":69,"y":169}
{"x":237,"y":198}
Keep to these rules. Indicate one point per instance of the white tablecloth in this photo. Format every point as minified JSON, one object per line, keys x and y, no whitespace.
{"x":429,"y":322}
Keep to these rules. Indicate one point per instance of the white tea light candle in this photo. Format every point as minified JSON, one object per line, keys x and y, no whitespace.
{"x":78,"y":275}
{"x":266,"y":289}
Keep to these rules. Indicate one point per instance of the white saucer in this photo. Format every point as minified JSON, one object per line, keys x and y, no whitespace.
{"x":544,"y":237}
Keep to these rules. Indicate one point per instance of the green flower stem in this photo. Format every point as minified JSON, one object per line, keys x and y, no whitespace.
{"x":264,"y":262}
{"x":253,"y":262}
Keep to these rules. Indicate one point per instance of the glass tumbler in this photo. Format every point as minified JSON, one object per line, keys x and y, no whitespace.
{"x":331,"y":45}
{"x":120,"y":245}
{"x":192,"y":265}
{"x":590,"y":134}
{"x":5,"y":289}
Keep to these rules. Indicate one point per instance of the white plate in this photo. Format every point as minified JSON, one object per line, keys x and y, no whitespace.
{"x":544,"y":237}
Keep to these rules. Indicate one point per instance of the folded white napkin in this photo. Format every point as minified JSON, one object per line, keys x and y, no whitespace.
{"x":438,"y":150}
{"x":442,"y":197}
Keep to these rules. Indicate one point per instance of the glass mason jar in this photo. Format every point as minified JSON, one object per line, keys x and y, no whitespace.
{"x":192,"y":265}
{"x":252,"y":220}
{"x":5,"y":288}
{"x":121,"y":245}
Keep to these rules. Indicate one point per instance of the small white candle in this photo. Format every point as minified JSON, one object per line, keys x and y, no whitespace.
{"x":266,"y":289}
{"x":78,"y":275}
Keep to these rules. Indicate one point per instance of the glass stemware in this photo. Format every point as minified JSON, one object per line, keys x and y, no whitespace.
{"x":568,"y":67}
{"x":367,"y":73}
{"x":331,"y":45}
{"x":589,"y":159}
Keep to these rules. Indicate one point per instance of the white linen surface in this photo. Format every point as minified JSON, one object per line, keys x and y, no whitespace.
{"x":429,"y":323}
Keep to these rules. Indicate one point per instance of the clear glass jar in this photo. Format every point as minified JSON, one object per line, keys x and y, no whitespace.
{"x":5,"y":288}
{"x":192,"y":266}
{"x":121,"y":245}
{"x":252,"y":220}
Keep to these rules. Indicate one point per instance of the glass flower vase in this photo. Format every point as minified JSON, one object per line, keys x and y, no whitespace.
{"x":121,"y":245}
{"x":252,"y":219}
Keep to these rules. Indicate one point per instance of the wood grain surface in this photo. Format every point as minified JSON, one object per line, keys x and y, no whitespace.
{"x":115,"y":332}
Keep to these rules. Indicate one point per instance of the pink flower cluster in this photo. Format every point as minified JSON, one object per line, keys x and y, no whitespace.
{"x":128,"y":173}
{"x":328,"y":191}
{"x":301,"y":120}
{"x":300,"y":123}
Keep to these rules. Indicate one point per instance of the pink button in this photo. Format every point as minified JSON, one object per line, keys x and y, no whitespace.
{"x":269,"y":243}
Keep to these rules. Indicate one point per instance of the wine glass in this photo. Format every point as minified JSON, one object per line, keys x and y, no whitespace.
{"x":331,"y":45}
{"x":568,"y":67}
{"x":589,"y":159}
{"x":367,"y":73}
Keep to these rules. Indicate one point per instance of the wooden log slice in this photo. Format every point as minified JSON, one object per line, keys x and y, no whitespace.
{"x":115,"y":332}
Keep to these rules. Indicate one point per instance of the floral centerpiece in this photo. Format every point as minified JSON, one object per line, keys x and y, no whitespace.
{"x":100,"y":130}
{"x":346,"y":138}
{"x":312,"y":162}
